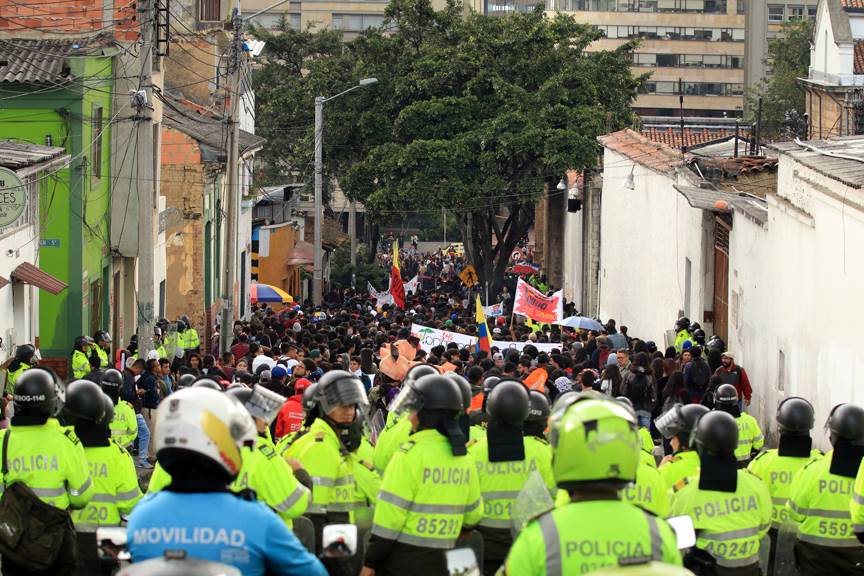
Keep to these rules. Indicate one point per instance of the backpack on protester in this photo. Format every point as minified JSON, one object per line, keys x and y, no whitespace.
{"x":33,"y":534}
{"x":639,"y":390}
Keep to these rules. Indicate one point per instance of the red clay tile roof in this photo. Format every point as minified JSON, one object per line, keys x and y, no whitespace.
{"x":692,"y":136}
{"x":858,"y":67}
{"x":640,"y":149}
{"x":853,"y":4}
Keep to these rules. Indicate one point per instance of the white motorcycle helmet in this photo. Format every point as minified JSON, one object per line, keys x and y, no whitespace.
{"x":206,"y":422}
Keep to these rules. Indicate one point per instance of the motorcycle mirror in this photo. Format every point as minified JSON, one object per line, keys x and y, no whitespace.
{"x":462,"y":562}
{"x":684,"y":531}
{"x":339,"y":541}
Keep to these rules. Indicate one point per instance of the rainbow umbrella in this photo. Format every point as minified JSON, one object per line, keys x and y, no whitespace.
{"x":268,"y":293}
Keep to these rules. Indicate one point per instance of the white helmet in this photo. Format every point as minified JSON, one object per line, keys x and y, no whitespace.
{"x":206,"y":422}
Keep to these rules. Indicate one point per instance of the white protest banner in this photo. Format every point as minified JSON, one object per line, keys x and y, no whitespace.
{"x":431,"y":337}
{"x":530,"y":302}
{"x":412,"y":285}
{"x":494,"y":310}
{"x":381,"y":298}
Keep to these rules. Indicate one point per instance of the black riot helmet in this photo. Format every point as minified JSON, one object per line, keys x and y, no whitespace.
{"x":109,"y":409}
{"x":437,"y":400}
{"x":185,"y":381}
{"x":540,"y":407}
{"x":489,"y":383}
{"x":508,"y":403}
{"x":626,"y":401}
{"x":795,"y":416}
{"x":726,"y":396}
{"x":82,"y":342}
{"x":111,"y":384}
{"x":37,"y":393}
{"x":464,"y":387}
{"x":699,"y":336}
{"x":207,"y":383}
{"x":24,"y":353}
{"x":846,"y":422}
{"x":679,"y":422}
{"x":716,"y":434}
{"x":340,"y":388}
{"x":419,"y":371}
{"x":683,"y":323}
{"x":84,"y":403}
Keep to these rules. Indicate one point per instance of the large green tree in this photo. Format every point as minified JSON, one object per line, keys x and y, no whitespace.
{"x":477,"y":115}
{"x":782,"y":97}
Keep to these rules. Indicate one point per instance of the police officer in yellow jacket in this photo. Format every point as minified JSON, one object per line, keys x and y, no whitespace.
{"x":340,"y":401}
{"x":648,"y":491}
{"x":102,"y":348}
{"x":820,"y":500}
{"x":397,"y":430}
{"x":647,"y":442}
{"x":730,"y":508}
{"x":124,"y":423}
{"x":750,"y":439}
{"x":777,"y":467}
{"x":115,"y":483}
{"x":676,"y":425}
{"x":430,"y":492}
{"x":595,"y":447}
{"x":46,"y":457}
{"x":189,"y":338}
{"x":505,"y":460}
{"x":23,"y":360}
{"x":81,"y":357}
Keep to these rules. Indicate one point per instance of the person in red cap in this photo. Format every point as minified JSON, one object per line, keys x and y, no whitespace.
{"x":290,"y":417}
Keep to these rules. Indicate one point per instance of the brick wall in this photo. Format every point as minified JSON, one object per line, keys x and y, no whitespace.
{"x":183,"y":185}
{"x":59,"y":364}
{"x":188,"y":63}
{"x":84,"y":17}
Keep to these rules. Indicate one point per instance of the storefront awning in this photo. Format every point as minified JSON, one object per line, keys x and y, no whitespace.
{"x":30,"y":274}
{"x":302,"y":254}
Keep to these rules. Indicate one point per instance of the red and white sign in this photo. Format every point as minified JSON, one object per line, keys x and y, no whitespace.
{"x":533,"y":304}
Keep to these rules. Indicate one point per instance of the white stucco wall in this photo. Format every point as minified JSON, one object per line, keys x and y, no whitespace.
{"x":573,"y":257}
{"x":798,"y":284}
{"x":17,"y":301}
{"x":647,"y":234}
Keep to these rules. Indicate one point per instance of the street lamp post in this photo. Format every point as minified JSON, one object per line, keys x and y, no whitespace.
{"x":319,"y":168}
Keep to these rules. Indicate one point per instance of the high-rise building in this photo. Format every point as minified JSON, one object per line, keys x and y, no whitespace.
{"x":765,"y":20}
{"x":699,"y":42}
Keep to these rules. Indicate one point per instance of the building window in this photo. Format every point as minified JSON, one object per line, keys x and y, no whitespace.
{"x":274,"y":21}
{"x":96,"y":151}
{"x":742,"y":6}
{"x":796,"y":13}
{"x":209,"y":10}
{"x":776,"y":13}
{"x":670,"y":88}
{"x":811,"y":12}
{"x":673,"y":33}
{"x":357,"y":22}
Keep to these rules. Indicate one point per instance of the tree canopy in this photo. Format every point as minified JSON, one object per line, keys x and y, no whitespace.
{"x":474,"y":114}
{"x":782,"y":98}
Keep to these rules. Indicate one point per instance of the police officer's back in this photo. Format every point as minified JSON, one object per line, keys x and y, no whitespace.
{"x":676,"y":425}
{"x":649,"y":492}
{"x":124,"y":423}
{"x":505,"y":460}
{"x":47,"y":458}
{"x":430,"y":491}
{"x":777,"y":467}
{"x":596,"y":453}
{"x":81,"y":356}
{"x":820,"y":496}
{"x":730,"y":508}
{"x":750,"y":439}
{"x":115,"y":483}
{"x":200,"y":434}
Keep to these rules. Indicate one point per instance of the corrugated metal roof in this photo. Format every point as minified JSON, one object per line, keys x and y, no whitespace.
{"x":846,"y":170}
{"x":30,"y":274}
{"x":25,"y":61}
{"x":211,"y":132}
{"x":721,"y":201}
{"x":17,"y":155}
{"x":853,"y":4}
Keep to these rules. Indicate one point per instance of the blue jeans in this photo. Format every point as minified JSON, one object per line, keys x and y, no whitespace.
{"x":143,"y":437}
{"x":644,"y":418}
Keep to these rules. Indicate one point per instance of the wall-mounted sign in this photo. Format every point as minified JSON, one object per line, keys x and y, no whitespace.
{"x":49,"y":242}
{"x":13,"y":197}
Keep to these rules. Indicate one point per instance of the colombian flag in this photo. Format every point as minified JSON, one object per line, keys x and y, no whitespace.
{"x":484,"y":340}
{"x":397,"y":289}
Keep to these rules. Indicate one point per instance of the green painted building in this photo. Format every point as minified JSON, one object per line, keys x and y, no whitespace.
{"x":59,"y":93}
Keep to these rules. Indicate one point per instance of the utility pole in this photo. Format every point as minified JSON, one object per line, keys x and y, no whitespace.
{"x":146,"y":184}
{"x":352,"y":230}
{"x":319,"y":167}
{"x":233,"y":186}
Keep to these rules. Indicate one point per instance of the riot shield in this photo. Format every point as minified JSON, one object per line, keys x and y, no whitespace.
{"x":466,"y":559}
{"x":304,"y":530}
{"x":534,"y":500}
{"x":170,"y":342}
{"x":784,"y":554}
{"x":376,"y":426}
